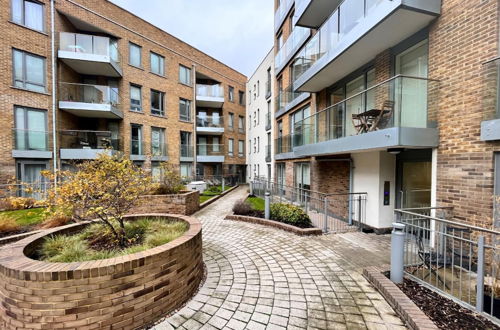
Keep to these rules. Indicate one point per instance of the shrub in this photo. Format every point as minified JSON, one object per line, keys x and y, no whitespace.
{"x":290,"y":214}
{"x":242,"y":207}
{"x":214,"y":190}
{"x":55,"y":219}
{"x":17,"y":203}
{"x":169,"y":181}
{"x":8,"y":225}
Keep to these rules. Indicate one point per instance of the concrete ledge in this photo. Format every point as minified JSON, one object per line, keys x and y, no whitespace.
{"x":211,"y":200}
{"x":277,"y":225}
{"x":404,"y":306}
{"x":14,"y":238}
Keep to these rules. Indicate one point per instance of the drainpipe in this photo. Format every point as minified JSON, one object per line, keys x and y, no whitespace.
{"x":194,"y":122}
{"x":54,"y":85}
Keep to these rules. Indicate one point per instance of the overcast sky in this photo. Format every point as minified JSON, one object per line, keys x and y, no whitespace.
{"x":238,"y":33}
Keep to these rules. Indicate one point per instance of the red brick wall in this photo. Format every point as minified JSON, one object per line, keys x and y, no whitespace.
{"x":185,"y":204}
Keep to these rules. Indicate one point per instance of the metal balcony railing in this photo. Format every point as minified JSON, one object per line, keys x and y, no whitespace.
{"x":210,"y":150}
{"x":89,"y":44}
{"x":285,"y":97}
{"x":86,"y":93}
{"x":210,"y":90}
{"x":291,"y":45}
{"x":81,"y":139}
{"x":401,"y":101}
{"x":282,"y":10}
{"x":209,"y":121}
{"x":25,"y":139}
{"x":283,"y":144}
{"x":186,"y":151}
{"x":159,"y":150}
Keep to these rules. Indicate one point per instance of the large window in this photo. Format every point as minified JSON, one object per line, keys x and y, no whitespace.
{"x":29,"y":71}
{"x":135,"y":55}
{"x":231,"y":147}
{"x":184,"y":110}
{"x":241,"y":124}
{"x":157,"y":63}
{"x":136,"y":139}
{"x":184,"y":75}
{"x":28,"y":13}
{"x":241,"y":148}
{"x":230,"y":123}
{"x":135,"y":98}
{"x":31,"y":129}
{"x":241,"y":97}
{"x":186,"y":170}
{"x":157,"y":103}
{"x":158,"y":146}
{"x":231,"y":93}
{"x":299,"y":129}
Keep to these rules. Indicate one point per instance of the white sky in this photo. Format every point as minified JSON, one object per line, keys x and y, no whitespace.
{"x":238,"y":33}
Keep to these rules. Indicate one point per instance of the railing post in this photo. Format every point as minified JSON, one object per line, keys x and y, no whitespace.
{"x":325,"y":209}
{"x":397,"y":252}
{"x":360,"y":224}
{"x":480,"y":274}
{"x":280,"y":188}
{"x":251,"y":188}
{"x":222,"y":184}
{"x":267,"y":208}
{"x":306,"y":195}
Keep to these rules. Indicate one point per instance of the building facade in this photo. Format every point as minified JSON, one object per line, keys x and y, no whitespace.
{"x":84,"y":77}
{"x":260,"y":129}
{"x":398,"y":99}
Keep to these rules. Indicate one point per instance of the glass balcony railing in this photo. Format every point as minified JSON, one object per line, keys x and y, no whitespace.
{"x":89,"y":44}
{"x":159,"y":149}
{"x":210,"y":150}
{"x":401,"y":101}
{"x":282,"y":10}
{"x":209,"y":121}
{"x":186,"y":151}
{"x":25,"y":139}
{"x":74,"y":139}
{"x":294,"y":41}
{"x":210,"y":90}
{"x":286,"y":97}
{"x":491,"y":91}
{"x":345,"y":18}
{"x":268,"y":121}
{"x":283,"y":144}
{"x":84,"y":93}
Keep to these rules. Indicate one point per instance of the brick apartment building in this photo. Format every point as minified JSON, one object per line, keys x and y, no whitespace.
{"x":121,"y":84}
{"x":395,"y":98}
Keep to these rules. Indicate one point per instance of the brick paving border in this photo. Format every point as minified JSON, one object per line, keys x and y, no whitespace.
{"x":277,"y":225}
{"x":414,"y":317}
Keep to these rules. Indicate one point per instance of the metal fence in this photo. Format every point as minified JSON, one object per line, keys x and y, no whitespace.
{"x":36,"y":190}
{"x":334,"y":213}
{"x":457,"y":259}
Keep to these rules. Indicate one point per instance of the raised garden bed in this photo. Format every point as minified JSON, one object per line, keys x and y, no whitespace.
{"x":132,"y":290}
{"x":277,"y":225}
{"x":185,"y":203}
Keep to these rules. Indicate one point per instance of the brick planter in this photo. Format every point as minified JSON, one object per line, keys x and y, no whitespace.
{"x":186,"y":203}
{"x":277,"y":225}
{"x":125,"y":292}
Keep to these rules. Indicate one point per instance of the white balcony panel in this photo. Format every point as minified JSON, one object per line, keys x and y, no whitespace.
{"x":210,"y":159}
{"x":210,"y":130}
{"x":312,"y":13}
{"x":90,"y":64}
{"x":91,"y":110}
{"x":209,"y":101}
{"x":84,"y":153}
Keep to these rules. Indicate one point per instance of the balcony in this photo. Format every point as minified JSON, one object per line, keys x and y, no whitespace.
{"x":159,"y":152}
{"x":490,"y":126}
{"x":296,"y":39}
{"x":210,"y":125}
{"x":90,"y":55}
{"x":90,"y":101}
{"x":398,"y":113}
{"x":137,"y":150}
{"x":312,"y":13}
{"x":31,"y":144}
{"x":186,"y":153}
{"x":281,"y":13}
{"x":283,"y":147}
{"x":210,"y":153}
{"x":211,"y":96}
{"x":288,"y":99}
{"x":268,"y":154}
{"x":87,"y":144}
{"x":354,"y":34}
{"x":268,"y":121}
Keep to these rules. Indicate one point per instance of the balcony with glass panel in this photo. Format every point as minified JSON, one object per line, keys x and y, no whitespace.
{"x":89,"y":54}
{"x":211,"y":96}
{"x":398,"y":113}
{"x":82,"y":144}
{"x":287,"y":99}
{"x":281,"y":13}
{"x":209,"y":125}
{"x":354,"y":34}
{"x":296,"y":39}
{"x":90,"y":101}
{"x":186,"y":153}
{"x":31,"y":144}
{"x":490,"y":126}
{"x":210,"y":153}
{"x":312,"y":13}
{"x":283,"y":147}
{"x":159,"y":151}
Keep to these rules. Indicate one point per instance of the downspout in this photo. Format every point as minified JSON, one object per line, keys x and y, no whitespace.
{"x":54,"y":85}
{"x":194,"y":123}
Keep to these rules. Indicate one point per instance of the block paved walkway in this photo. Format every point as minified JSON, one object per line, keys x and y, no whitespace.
{"x":264,"y":278}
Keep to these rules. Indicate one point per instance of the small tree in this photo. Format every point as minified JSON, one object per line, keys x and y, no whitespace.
{"x":104,"y":189}
{"x":169,"y":180}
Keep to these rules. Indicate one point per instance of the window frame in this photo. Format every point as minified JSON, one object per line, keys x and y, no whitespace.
{"x":230,"y":147}
{"x":24,"y":81}
{"x":161,"y":63}
{"x":25,"y":127}
{"x":23,"y":15}
{"x":190,"y":82}
{"x":231,"y":94}
{"x":241,"y":97}
{"x":188,"y":105}
{"x":140,"y":139}
{"x":162,"y":103}
{"x":241,"y":148}
{"x":163,"y":135}
{"x":130,"y":45}
{"x":230,"y":123}
{"x":141,"y":110}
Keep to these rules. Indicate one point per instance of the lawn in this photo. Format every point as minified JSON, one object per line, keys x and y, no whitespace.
{"x":257,"y":203}
{"x":26,"y":217}
{"x":204,"y":198}
{"x":211,"y":192}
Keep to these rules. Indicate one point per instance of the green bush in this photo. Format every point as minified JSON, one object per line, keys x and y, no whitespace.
{"x":290,"y":214}
{"x":214,"y":189}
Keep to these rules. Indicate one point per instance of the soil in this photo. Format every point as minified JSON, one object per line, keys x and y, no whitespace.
{"x":445,"y":313}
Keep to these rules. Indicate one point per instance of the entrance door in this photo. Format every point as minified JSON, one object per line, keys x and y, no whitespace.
{"x":414,"y":179}
{"x":302,"y":180}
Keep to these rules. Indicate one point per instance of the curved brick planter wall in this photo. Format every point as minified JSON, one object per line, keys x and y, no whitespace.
{"x":185,"y":203}
{"x":124,"y":292}
{"x":276,"y":224}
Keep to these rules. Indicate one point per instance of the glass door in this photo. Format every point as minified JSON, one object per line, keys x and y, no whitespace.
{"x":414,"y":175}
{"x":302,"y":181}
{"x":202,"y":146}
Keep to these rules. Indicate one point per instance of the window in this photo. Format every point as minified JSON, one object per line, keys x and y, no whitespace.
{"x":241,"y":124}
{"x":258,"y":143}
{"x":280,"y":40}
{"x":156,"y":171}
{"x":231,"y":147}
{"x":184,"y":110}
{"x":31,"y":129}
{"x":254,"y":145}
{"x":230,"y":124}
{"x":249,"y":97}
{"x":280,"y":173}
{"x":157,"y":63}
{"x":496,"y":173}
{"x":258,"y":116}
{"x":254,"y":92}
{"x":231,"y":94}
{"x":29,"y":171}
{"x":28,"y":13}
{"x":241,"y":97}
{"x":135,"y":98}
{"x":258,"y":87}
{"x":297,"y":125}
{"x":241,"y":148}
{"x":158,"y":147}
{"x":134,"y":55}
{"x":157,"y":103}
{"x":184,"y":75}
{"x":254,"y":118}
{"x":29,"y":71}
{"x":186,"y":169}
{"x":136,"y":139}
{"x":249,"y":147}
{"x":186,"y":149}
